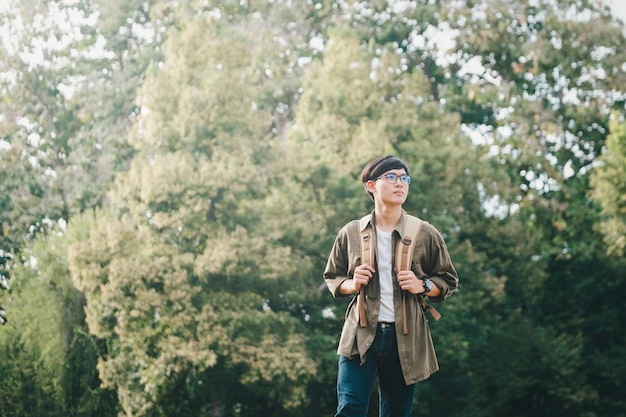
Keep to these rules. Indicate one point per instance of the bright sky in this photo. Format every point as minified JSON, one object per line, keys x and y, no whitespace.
{"x":619,"y":8}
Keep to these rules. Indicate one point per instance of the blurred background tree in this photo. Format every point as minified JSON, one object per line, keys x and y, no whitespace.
{"x":174,"y":173}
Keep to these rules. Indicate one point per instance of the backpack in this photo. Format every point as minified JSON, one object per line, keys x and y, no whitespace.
{"x":404,"y":257}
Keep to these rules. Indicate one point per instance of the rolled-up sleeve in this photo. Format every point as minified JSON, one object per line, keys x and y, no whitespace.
{"x":337,"y":266}
{"x":439,"y":266}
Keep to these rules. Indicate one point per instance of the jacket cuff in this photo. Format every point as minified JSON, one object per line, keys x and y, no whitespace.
{"x":443,"y":288}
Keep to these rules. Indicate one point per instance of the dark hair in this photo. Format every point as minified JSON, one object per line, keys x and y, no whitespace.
{"x":379,"y":166}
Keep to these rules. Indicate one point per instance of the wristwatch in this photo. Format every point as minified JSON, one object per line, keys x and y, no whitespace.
{"x":428,"y":285}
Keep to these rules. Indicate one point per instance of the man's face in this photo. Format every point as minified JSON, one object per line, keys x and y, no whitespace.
{"x":390,"y":188}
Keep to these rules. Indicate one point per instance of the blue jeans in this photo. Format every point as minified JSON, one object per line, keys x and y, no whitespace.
{"x":355,"y":381}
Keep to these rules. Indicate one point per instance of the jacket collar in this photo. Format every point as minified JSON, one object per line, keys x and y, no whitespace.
{"x":370,"y":221}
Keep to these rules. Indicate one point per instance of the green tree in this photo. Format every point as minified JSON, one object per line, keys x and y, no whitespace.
{"x":183,"y":281}
{"x":48,"y":362}
{"x":609,"y":187}
{"x":68,"y":102}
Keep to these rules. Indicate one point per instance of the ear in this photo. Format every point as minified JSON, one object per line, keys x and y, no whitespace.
{"x":370,"y":186}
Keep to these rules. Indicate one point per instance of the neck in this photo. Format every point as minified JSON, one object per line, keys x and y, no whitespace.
{"x":387,"y":217}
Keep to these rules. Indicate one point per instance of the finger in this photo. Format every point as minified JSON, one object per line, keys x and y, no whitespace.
{"x":369,"y":272}
{"x":368,"y":268}
{"x":362,"y":277}
{"x":404,"y":277}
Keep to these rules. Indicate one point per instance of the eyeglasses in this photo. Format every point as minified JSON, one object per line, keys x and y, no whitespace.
{"x":393,"y":178}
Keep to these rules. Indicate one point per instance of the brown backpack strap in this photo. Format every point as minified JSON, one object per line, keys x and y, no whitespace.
{"x":404,"y":248}
{"x":367,"y":258}
{"x":427,"y":307}
{"x":404,"y":258}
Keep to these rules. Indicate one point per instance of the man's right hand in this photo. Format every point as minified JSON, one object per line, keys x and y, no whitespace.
{"x":362,"y":275}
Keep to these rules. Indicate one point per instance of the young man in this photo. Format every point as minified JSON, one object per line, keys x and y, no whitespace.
{"x":386,"y":332}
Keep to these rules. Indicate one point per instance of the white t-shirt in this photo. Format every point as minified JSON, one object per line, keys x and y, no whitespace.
{"x":383,"y":247}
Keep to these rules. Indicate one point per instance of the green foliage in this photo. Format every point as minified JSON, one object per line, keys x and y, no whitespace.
{"x":206,"y":157}
{"x":61,"y":146}
{"x":184,"y":278}
{"x":48,"y":361}
{"x":609,"y":188}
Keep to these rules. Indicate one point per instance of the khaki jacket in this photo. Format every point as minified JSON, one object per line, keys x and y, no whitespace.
{"x":430,"y":259}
